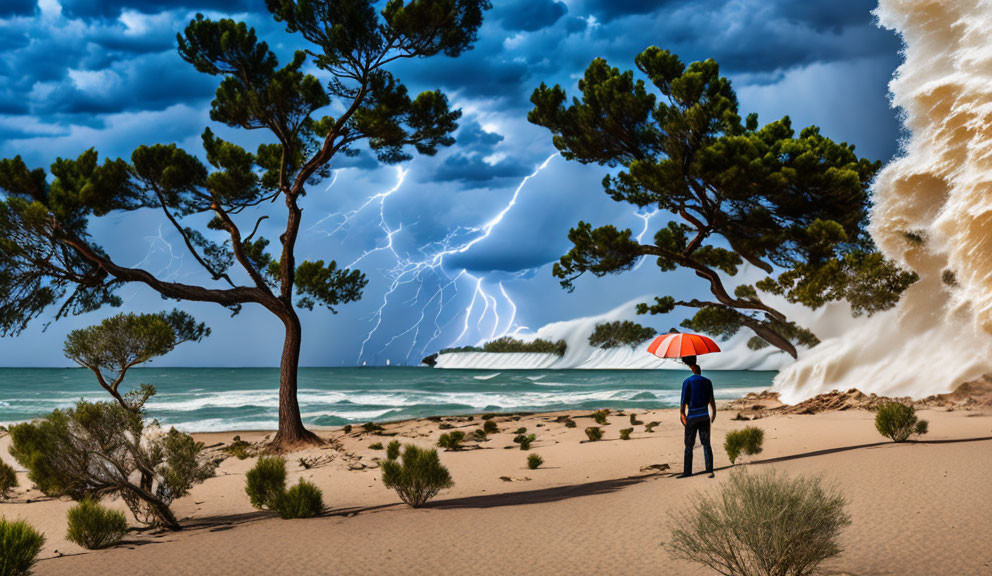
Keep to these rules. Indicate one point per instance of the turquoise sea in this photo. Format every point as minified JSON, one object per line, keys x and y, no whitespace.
{"x":205,"y":399}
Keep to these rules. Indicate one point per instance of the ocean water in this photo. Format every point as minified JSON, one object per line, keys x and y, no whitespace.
{"x":206,"y":399}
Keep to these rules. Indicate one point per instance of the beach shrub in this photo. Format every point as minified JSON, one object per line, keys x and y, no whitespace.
{"x":649,"y":427}
{"x":19,"y":547}
{"x":625,"y":433}
{"x":371,"y":427}
{"x":238,"y":448}
{"x":393,"y":450}
{"x":489,"y":416}
{"x":479,"y":435}
{"x":266,"y":481}
{"x":761,"y":524}
{"x":634,"y":421}
{"x":375,"y":446}
{"x":600,"y":417}
{"x":451,"y":440}
{"x":594,"y":433}
{"x":898,"y":422}
{"x":534,"y":461}
{"x":8,"y":479}
{"x":569,"y":423}
{"x":620,"y":333}
{"x":445,"y":426}
{"x":346,"y":429}
{"x":748,"y":440}
{"x":521,"y":430}
{"x":417,"y":477}
{"x":104,"y":448}
{"x":525,"y":440}
{"x":93,"y":526}
{"x":304,"y":500}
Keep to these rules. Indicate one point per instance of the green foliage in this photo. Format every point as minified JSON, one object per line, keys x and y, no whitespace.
{"x":20,"y":545}
{"x":525,"y":440}
{"x":451,"y":440}
{"x":266,"y":481}
{"x":317,"y":283}
{"x":650,"y":426}
{"x":534,"y":461}
{"x":418,"y":477}
{"x":8,"y":479}
{"x":569,"y":423}
{"x":372,"y":428}
{"x":615,"y":334}
{"x":490,"y":427}
{"x":634,"y":421}
{"x":304,"y":500}
{"x":479,"y":435}
{"x":375,"y":446}
{"x":625,"y":433}
{"x":521,"y":430}
{"x":600,"y":417}
{"x":761,"y":524}
{"x":93,"y":526}
{"x":346,"y":429}
{"x":791,"y":205}
{"x":509,"y":344}
{"x":393,"y":450}
{"x":898,"y":422}
{"x":748,"y":440}
{"x":123,"y":341}
{"x":102,"y":448}
{"x":238,"y":448}
{"x":594,"y":433}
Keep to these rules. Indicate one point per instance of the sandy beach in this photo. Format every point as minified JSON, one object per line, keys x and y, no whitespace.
{"x":593,"y":508}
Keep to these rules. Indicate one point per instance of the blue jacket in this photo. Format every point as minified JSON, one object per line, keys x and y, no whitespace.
{"x":697,"y":392}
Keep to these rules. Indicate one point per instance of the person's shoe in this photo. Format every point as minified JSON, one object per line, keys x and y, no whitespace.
{"x":711,"y":475}
{"x":683,"y":475}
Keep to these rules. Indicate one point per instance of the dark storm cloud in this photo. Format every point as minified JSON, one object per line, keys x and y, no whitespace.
{"x":529,"y":15}
{"x":103,"y":9}
{"x":17,"y":8}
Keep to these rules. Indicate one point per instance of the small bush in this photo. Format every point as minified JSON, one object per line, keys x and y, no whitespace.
{"x":371,"y":427}
{"x":649,"y":427}
{"x":445,"y":426}
{"x":479,"y":435}
{"x":600,"y":417}
{"x":520,"y":430}
{"x":569,"y":423}
{"x":490,"y":427}
{"x":266,"y":481}
{"x":488,"y":416}
{"x":393,"y":450}
{"x":762,"y":524}
{"x":899,"y":422}
{"x":620,"y":333}
{"x":418,"y":477}
{"x":346,"y":429}
{"x":594,"y":433}
{"x":451,"y":440}
{"x":375,"y":446}
{"x":625,"y":433}
{"x":93,"y":526}
{"x":238,"y":448}
{"x":748,"y":440}
{"x":19,"y":547}
{"x":634,"y":421}
{"x":8,"y":479}
{"x":525,"y":440}
{"x":534,"y":461}
{"x":304,"y":500}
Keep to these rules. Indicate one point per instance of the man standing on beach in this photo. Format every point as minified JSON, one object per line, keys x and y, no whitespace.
{"x":694,"y":410}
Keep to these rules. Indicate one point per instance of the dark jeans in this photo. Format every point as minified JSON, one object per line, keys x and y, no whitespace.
{"x":702,"y":426}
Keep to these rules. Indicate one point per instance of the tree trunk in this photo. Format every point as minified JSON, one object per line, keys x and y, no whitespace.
{"x":291,"y":432}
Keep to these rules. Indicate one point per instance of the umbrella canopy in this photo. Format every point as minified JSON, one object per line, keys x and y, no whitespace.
{"x":681,"y":345}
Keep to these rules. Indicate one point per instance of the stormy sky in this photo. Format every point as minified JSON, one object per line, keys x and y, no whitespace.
{"x":457,"y":247}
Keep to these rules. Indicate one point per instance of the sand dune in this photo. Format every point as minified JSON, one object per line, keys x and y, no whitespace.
{"x":918,"y":508}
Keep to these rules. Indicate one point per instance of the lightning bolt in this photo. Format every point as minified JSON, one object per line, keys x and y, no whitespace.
{"x":646,"y":218}
{"x":427,"y":267}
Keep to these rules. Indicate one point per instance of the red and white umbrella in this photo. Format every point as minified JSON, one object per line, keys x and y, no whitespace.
{"x":676,"y":345}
